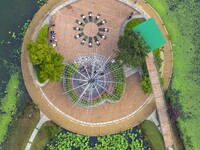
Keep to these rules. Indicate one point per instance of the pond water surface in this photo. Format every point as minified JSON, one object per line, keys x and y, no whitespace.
{"x":13,"y":14}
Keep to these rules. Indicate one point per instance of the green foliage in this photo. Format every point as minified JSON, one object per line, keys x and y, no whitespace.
{"x":158,"y":61}
{"x":43,"y":35}
{"x":46,"y":132}
{"x":41,"y":2}
{"x":134,"y":22}
{"x":24,"y":28}
{"x":37,"y":52}
{"x":158,"y":58}
{"x":118,"y":75}
{"x":23,"y":128}
{"x":153,"y":135}
{"x":181,"y":18}
{"x":50,"y":130}
{"x":122,"y":141}
{"x":146,"y":84}
{"x":132,"y":49}
{"x":8,"y":105}
{"x":37,"y":72}
{"x":53,"y":67}
{"x":44,"y":57}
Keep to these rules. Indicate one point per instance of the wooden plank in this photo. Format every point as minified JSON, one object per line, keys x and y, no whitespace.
{"x":159,"y":99}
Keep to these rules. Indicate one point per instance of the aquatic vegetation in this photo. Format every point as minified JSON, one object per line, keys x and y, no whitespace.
{"x":181,"y":18}
{"x":41,"y":2}
{"x":8,"y":105}
{"x":131,"y":139}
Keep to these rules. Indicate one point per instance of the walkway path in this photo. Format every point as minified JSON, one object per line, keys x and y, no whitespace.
{"x":160,"y":102}
{"x":54,"y":114}
{"x":130,"y":71}
{"x":167,"y":50}
{"x":42,"y":120}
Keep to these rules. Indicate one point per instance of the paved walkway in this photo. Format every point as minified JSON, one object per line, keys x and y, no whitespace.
{"x":53,"y":113}
{"x":42,"y":120}
{"x":131,"y":71}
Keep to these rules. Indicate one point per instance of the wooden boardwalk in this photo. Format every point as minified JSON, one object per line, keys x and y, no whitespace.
{"x":167,"y":49}
{"x":159,"y":99}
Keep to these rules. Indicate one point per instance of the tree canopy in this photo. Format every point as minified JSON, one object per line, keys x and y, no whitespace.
{"x":37,"y":52}
{"x":53,"y":68}
{"x":45,"y":57}
{"x":132,"y":49}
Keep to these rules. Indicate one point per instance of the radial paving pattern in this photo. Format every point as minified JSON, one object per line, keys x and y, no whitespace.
{"x":91,"y":80}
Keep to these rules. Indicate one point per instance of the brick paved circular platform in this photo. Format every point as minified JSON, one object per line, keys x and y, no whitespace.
{"x":104,"y":119}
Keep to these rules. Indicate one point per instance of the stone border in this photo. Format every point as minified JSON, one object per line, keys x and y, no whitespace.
{"x":55,"y":115}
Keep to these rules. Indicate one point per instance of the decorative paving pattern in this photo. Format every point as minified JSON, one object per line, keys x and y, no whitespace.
{"x":91,"y":28}
{"x":103,"y":119}
{"x":91,"y":80}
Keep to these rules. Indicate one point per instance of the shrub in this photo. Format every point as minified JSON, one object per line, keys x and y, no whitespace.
{"x":146,"y":84}
{"x":43,"y":35}
{"x":50,"y":130}
{"x":158,"y":58}
{"x":134,"y":22}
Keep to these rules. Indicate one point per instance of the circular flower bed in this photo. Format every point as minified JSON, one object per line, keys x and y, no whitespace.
{"x":91,"y":80}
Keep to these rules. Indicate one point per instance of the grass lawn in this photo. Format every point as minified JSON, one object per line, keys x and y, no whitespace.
{"x":153,"y":135}
{"x":23,"y":129}
{"x":48,"y":130}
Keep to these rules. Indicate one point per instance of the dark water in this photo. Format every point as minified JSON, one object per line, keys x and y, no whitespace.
{"x":13,"y":13}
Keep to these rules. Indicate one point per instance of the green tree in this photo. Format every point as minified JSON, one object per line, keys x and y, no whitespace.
{"x":132,"y":49}
{"x":37,"y":52}
{"x":44,"y":57}
{"x":43,"y":35}
{"x":53,"y":67}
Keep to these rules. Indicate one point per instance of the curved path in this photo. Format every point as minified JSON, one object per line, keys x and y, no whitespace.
{"x":42,"y":120}
{"x":52,"y":113}
{"x":167,"y":49}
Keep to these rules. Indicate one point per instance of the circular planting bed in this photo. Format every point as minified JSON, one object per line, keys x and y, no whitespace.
{"x":91,"y":80}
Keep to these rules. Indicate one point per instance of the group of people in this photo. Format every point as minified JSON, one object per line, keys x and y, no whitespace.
{"x":130,"y":16}
{"x":53,"y":39}
{"x":85,"y":68}
{"x":52,"y":34}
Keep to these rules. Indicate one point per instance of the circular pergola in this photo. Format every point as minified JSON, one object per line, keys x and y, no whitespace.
{"x":91,"y":80}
